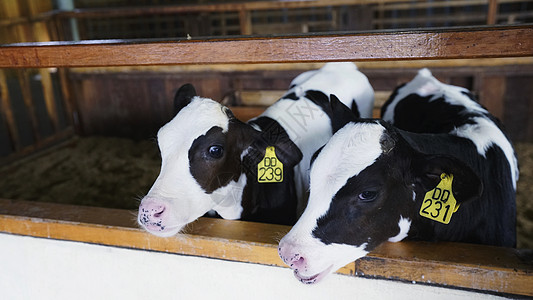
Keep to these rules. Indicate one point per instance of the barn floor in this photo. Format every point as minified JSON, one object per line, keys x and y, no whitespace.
{"x":116,"y":173}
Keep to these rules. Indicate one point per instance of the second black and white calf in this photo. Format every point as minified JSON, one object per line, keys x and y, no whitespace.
{"x":452,"y":177}
{"x":256,"y":171}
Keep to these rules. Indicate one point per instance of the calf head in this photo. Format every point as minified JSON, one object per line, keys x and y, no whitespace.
{"x":202,"y":149}
{"x":367,"y":184}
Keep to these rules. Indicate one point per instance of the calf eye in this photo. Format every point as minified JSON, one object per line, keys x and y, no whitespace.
{"x":367,"y":196}
{"x":216,"y":151}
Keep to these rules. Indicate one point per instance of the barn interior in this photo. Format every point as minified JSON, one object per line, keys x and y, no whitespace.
{"x":87,"y":135}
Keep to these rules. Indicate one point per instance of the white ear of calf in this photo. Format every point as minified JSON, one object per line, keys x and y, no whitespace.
{"x":405,"y":225}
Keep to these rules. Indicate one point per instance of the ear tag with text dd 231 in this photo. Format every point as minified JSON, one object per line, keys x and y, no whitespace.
{"x":439,"y":204}
{"x":270,"y":169}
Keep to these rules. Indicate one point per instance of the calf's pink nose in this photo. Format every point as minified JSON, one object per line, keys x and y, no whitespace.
{"x":151,"y":211}
{"x":291,"y":258}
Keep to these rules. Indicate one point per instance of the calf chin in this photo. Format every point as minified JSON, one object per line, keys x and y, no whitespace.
{"x":312,"y":261}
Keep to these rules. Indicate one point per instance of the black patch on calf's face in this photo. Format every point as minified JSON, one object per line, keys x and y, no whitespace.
{"x":353,"y":220}
{"x":215,"y":171}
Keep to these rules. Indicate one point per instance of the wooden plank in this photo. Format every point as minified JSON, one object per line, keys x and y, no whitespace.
{"x":492,"y":94}
{"x":7,"y":112}
{"x":245,"y":113}
{"x":492,"y":13}
{"x":390,"y":45}
{"x":49,"y":100}
{"x":476,"y":267}
{"x":260,"y":97}
{"x":245,"y":22}
{"x":25,"y":89}
{"x":71,"y":108}
{"x":453,"y":264}
{"x":42,"y":144}
{"x":212,"y":7}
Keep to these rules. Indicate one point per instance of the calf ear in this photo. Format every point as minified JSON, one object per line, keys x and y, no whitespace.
{"x":273,"y":134}
{"x":341,"y":114}
{"x":183,"y":97}
{"x":466,"y":183}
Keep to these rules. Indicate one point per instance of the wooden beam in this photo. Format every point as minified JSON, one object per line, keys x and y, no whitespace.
{"x":390,"y":45}
{"x":245,"y":22}
{"x":452,"y":264}
{"x":489,"y":269}
{"x":258,"y":6}
{"x":7,"y":113}
{"x":23,"y":76}
{"x":40,"y":34}
{"x":46,"y":142}
{"x":492,"y":12}
{"x":214,"y":7}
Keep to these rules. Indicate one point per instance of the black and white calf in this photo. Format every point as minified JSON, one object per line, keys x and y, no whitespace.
{"x":257,"y":171}
{"x":452,"y":177}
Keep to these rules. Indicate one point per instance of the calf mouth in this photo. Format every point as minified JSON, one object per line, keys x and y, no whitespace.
{"x":314,"y":278}
{"x":162,"y":231}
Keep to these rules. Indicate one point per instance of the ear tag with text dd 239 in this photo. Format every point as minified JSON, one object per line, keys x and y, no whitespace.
{"x":439,"y":204}
{"x":270,"y":169}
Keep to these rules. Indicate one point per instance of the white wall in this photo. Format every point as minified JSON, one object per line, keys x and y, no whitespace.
{"x":34,"y":268}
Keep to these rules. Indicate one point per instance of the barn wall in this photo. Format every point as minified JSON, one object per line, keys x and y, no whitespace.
{"x":52,"y":269}
{"x":135,"y":104}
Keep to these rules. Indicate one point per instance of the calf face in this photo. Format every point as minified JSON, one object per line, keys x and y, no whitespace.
{"x":373,"y":180}
{"x":208,"y":156}
{"x":367,"y":184}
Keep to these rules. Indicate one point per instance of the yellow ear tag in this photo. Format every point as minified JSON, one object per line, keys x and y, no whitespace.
{"x":439,"y":203}
{"x":270,"y":169}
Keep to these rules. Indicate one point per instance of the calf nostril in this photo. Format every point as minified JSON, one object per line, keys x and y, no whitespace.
{"x":159,"y":212}
{"x":298,"y":263}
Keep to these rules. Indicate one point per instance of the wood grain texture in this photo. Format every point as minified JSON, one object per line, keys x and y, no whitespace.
{"x":408,"y":45}
{"x":493,"y":269}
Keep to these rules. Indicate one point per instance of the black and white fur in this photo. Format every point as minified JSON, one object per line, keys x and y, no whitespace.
{"x":369,"y":181}
{"x":209,"y":158}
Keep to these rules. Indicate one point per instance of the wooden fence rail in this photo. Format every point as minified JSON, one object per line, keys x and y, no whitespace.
{"x":481,"y":268}
{"x":408,"y":45}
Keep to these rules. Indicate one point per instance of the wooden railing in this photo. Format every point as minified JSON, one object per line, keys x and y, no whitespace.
{"x":245,"y":9}
{"x":408,"y":45}
{"x":481,"y":268}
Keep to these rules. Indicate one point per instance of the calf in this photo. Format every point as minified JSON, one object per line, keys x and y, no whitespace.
{"x":256,"y":171}
{"x":452,"y":177}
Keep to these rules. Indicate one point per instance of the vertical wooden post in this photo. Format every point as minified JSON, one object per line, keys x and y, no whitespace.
{"x":70,"y":104}
{"x":11,"y":33}
{"x":25,"y":88}
{"x":245,"y":21}
{"x":7,"y":113}
{"x":381,"y":15}
{"x":41,"y":34}
{"x":492,"y":94}
{"x":492,"y":12}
